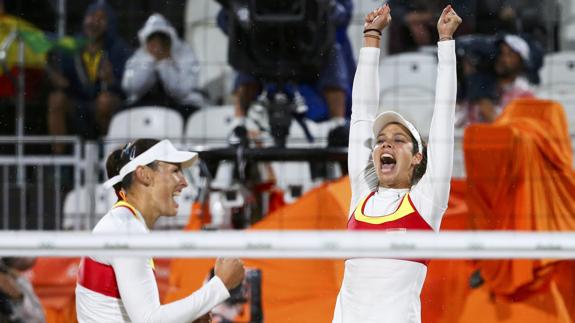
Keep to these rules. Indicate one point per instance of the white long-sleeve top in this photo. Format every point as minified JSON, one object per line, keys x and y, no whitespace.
{"x":388,"y":290}
{"x":139,"y":297}
{"x":430,"y":195}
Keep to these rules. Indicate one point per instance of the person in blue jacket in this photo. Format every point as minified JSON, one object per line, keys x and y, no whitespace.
{"x":87,"y":90}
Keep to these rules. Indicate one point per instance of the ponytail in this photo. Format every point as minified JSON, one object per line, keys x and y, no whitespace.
{"x":120,"y":157}
{"x":419,"y":169}
{"x":113,"y":166}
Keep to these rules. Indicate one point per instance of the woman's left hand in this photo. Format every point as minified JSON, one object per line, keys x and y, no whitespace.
{"x":448,"y":23}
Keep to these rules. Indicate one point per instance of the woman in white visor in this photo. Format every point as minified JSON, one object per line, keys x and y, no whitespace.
{"x":397,"y":182}
{"x":147,"y":176}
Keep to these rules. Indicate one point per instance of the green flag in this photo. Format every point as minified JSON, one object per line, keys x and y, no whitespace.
{"x":36,"y":40}
{"x":40,"y":43}
{"x":70,"y":44}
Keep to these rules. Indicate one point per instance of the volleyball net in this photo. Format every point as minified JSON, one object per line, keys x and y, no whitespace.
{"x":294,"y":244}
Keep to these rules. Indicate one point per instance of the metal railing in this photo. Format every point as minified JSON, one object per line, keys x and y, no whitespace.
{"x":33,"y":186}
{"x":63,"y":192}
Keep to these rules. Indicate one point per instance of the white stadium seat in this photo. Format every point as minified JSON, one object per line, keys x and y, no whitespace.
{"x":138,"y":122}
{"x":210,"y":46}
{"x":77,"y":206}
{"x":414,"y":70}
{"x":210,"y":125}
{"x":417,"y":107}
{"x":558,"y":70}
{"x":144,"y":122}
{"x":565,"y":96}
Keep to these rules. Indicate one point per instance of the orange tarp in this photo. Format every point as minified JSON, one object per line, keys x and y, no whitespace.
{"x":54,"y":281}
{"x":293,"y":290}
{"x":520,"y":178}
{"x":447,"y":283}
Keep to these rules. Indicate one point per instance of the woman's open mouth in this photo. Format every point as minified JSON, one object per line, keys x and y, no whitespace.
{"x":175,"y":198}
{"x":387,"y":163}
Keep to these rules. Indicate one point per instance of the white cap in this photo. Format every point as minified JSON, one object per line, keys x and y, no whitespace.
{"x":387,"y":117}
{"x":162,"y":151}
{"x":518,"y":45}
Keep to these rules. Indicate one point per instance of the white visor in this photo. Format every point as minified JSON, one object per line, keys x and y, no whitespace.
{"x":385,"y":118}
{"x":162,"y":151}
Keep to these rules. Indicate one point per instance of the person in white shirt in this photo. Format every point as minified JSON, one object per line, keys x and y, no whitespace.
{"x":147,"y":177}
{"x":164,"y":71}
{"x":397,"y":182}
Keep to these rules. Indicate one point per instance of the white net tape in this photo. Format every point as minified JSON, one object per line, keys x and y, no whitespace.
{"x":294,"y":244}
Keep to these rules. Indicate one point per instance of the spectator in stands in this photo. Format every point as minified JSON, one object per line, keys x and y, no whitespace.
{"x":87,"y":91}
{"x":333,"y":85}
{"x":414,"y":22}
{"x":163,"y":71}
{"x":490,"y":85}
{"x":18,"y":302}
{"x":537,"y":19}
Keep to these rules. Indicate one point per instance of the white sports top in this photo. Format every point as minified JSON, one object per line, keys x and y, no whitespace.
{"x":139,"y":298}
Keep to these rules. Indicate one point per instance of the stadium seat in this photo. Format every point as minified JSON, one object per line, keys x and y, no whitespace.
{"x":558,"y":70}
{"x":293,"y":178}
{"x":144,"y":122}
{"x":414,"y":105}
{"x":558,"y":82}
{"x":77,"y":206}
{"x":297,"y":136}
{"x":210,"y":125}
{"x":210,"y":45}
{"x":414,"y":70}
{"x":564,"y":95}
{"x":200,"y":10}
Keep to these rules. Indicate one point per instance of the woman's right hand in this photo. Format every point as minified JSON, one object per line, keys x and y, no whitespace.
{"x":448,"y":23}
{"x":378,"y":19}
{"x":231,"y":271}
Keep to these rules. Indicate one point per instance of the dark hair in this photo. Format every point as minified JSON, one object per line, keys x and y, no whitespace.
{"x":121,"y":156}
{"x":419,"y":169}
{"x":162,"y":37}
{"x":112,"y":27}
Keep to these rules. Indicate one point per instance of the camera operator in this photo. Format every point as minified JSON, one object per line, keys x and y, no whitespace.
{"x":330,"y":88}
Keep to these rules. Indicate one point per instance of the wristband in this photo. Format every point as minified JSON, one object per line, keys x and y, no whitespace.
{"x":372,"y":29}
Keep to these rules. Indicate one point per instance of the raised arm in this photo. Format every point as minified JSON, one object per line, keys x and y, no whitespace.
{"x":431,"y":194}
{"x":365,"y":103}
